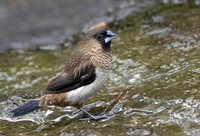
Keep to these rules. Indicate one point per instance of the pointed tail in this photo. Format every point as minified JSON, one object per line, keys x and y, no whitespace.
{"x":26,"y":108}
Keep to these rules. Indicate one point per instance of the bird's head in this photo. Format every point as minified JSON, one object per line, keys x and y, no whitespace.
{"x":104,"y":37}
{"x":100,"y":36}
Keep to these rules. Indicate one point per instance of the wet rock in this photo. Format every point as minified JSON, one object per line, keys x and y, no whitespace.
{"x":174,"y":1}
{"x":161,"y":32}
{"x":158,"y":19}
{"x":184,"y":42}
{"x":6,"y":77}
{"x":178,"y":2}
{"x":49,"y":47}
{"x":140,"y":131}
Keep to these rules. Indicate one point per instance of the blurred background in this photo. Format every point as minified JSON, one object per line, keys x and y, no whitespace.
{"x":157,"y":52}
{"x":29,"y":24}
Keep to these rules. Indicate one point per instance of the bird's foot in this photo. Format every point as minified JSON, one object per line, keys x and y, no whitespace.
{"x":92,"y":117}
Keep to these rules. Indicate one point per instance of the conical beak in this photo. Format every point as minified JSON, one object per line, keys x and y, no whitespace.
{"x":110,"y":35}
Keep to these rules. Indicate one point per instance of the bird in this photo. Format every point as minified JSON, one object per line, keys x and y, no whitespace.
{"x":85,"y":73}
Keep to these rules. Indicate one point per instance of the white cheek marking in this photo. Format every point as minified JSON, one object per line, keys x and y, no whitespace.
{"x":81,"y":94}
{"x":108,"y":39}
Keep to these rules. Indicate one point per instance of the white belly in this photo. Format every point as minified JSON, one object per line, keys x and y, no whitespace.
{"x":81,"y":94}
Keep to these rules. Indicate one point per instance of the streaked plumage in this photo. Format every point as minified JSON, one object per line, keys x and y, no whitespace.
{"x":85,"y":73}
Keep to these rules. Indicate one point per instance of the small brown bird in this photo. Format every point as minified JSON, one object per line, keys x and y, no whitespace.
{"x":85,"y":73}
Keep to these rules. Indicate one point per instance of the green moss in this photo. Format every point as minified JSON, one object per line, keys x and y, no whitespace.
{"x":169,"y":130}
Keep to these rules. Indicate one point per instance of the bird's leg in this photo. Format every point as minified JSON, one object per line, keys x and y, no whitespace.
{"x":92,"y":116}
{"x":88,"y":107}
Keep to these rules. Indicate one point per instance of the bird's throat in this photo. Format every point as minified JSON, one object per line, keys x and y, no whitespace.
{"x":106,"y":46}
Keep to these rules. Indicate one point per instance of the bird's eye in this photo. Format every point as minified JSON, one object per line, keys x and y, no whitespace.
{"x":99,"y":36}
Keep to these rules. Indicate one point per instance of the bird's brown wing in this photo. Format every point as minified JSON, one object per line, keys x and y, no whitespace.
{"x":77,"y":74}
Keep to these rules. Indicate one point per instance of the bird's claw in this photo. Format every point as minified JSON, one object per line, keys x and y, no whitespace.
{"x":92,"y":117}
{"x":95,"y":118}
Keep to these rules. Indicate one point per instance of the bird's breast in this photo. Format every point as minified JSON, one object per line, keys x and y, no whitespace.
{"x":81,"y":94}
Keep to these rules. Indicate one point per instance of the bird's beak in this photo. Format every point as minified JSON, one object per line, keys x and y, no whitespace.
{"x":110,"y":35}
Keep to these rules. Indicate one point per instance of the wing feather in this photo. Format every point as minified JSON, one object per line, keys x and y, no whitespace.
{"x":75,"y":75}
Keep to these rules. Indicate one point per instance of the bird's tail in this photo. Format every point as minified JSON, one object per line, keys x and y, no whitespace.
{"x":26,"y":108}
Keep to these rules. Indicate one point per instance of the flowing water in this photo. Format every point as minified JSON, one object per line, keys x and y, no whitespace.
{"x":156,"y":56}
